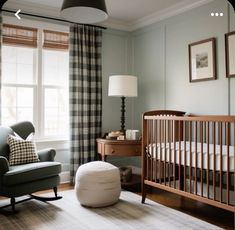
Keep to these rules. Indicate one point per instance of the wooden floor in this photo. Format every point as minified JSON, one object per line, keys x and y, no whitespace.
{"x":216,"y":216}
{"x":213,"y":215}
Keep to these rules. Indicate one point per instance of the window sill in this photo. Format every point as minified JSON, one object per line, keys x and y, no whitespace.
{"x":58,"y":144}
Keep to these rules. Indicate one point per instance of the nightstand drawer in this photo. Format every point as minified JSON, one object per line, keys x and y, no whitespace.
{"x":122,"y":150}
{"x":106,"y":147}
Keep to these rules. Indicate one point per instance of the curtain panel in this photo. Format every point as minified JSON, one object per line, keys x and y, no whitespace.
{"x":85,"y":94}
{"x":0,"y":66}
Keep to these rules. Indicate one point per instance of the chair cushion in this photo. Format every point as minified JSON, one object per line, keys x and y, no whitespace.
{"x":19,"y":174}
{"x":21,"y":151}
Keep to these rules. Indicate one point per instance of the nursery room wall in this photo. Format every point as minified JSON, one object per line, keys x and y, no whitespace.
{"x":160,"y":60}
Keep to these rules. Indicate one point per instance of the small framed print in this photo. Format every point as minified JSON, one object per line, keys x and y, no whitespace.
{"x":202,"y":60}
{"x":230,"y":54}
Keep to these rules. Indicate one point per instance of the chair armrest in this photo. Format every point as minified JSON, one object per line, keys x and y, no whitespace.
{"x":46,"y":154}
{"x":4,"y":166}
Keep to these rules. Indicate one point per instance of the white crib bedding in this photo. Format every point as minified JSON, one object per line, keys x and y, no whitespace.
{"x":169,"y":150}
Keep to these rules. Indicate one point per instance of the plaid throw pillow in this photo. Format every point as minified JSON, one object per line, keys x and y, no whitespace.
{"x":21,"y":151}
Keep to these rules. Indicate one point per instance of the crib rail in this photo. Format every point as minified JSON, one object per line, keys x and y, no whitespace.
{"x":190,"y":156}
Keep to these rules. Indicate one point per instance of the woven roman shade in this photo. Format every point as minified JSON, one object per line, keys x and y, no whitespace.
{"x":55,"y":40}
{"x":19,"y":35}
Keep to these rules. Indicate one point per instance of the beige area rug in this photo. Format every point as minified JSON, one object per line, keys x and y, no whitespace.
{"x":128,"y":213}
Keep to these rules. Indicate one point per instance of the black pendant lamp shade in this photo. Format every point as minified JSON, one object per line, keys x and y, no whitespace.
{"x":84,"y":11}
{"x":2,"y":3}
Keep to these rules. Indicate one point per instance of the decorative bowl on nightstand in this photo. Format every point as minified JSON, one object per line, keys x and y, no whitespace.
{"x":114,"y":135}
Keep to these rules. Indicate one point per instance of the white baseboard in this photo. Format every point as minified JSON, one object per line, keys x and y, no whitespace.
{"x":64,"y":177}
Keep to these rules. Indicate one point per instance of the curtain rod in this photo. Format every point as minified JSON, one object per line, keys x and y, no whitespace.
{"x":50,"y":18}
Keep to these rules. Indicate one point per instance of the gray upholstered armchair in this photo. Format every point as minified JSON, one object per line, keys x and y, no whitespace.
{"x":25,"y":179}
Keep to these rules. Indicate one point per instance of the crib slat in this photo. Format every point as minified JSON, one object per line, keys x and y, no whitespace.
{"x":208,"y":157}
{"x":151,"y":148}
{"x":233,"y":173}
{"x":174,"y":163}
{"x":169,"y":164}
{"x":190,"y":156}
{"x":165,"y":149}
{"x":160,"y":143}
{"x":184,"y":137}
{"x":228,"y":158}
{"x":155,"y":149}
{"x":201,"y":171}
{"x":151,"y":144}
{"x":179,"y":165}
{"x":148,"y":149}
{"x":158,"y":149}
{"x":221,"y":158}
{"x":196,"y":156}
{"x":214,"y":159}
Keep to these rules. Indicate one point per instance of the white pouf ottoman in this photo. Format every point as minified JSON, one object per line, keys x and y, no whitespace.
{"x":97,"y":184}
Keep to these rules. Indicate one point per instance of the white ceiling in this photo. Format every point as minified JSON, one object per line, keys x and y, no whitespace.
{"x":123,"y":14}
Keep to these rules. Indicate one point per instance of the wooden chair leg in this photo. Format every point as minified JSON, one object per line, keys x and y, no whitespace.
{"x":13,"y":201}
{"x":55,"y":191}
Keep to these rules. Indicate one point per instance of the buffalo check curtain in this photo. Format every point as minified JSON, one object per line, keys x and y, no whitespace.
{"x":85,"y":92}
{"x":0,"y":64}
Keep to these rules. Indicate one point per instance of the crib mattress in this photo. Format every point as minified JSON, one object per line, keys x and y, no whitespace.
{"x":201,"y":155}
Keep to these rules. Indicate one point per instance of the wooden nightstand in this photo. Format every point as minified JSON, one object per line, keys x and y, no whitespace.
{"x":106,"y":147}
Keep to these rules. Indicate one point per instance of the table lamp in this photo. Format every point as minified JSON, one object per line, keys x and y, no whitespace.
{"x":122,"y":86}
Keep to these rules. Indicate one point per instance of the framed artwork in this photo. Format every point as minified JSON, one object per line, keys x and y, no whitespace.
{"x":230,"y":54}
{"x":202,"y":60}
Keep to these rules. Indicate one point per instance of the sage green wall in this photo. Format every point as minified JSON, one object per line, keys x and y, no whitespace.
{"x":158,"y":55}
{"x":148,"y":65}
{"x":160,"y":60}
{"x":232,"y":80}
{"x":116,"y":52}
{"x":208,"y":97}
{"x":115,"y":60}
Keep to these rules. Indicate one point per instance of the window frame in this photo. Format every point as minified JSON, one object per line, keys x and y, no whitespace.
{"x":38,"y":86}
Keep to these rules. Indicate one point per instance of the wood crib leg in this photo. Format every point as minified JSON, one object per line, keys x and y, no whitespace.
{"x":234,"y":220}
{"x":143,"y":191}
{"x":143,"y":197}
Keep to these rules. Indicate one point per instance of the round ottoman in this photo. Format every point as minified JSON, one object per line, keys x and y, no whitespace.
{"x":97,"y":184}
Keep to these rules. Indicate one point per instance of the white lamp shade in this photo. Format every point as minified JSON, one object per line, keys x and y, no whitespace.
{"x":122,"y":86}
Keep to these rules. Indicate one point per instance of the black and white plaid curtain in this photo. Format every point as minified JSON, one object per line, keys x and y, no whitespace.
{"x":0,"y":65}
{"x":85,"y":88}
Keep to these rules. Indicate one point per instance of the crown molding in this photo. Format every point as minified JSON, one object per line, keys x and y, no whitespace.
{"x":155,"y":17}
{"x":167,"y":13}
{"x":116,"y":24}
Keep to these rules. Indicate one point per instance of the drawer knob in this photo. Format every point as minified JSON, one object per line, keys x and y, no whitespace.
{"x":113,"y":151}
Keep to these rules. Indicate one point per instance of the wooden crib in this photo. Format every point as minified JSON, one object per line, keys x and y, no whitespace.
{"x":192,"y":156}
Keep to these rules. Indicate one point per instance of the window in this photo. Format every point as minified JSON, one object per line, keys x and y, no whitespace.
{"x":35,"y":79}
{"x":55,"y":84}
